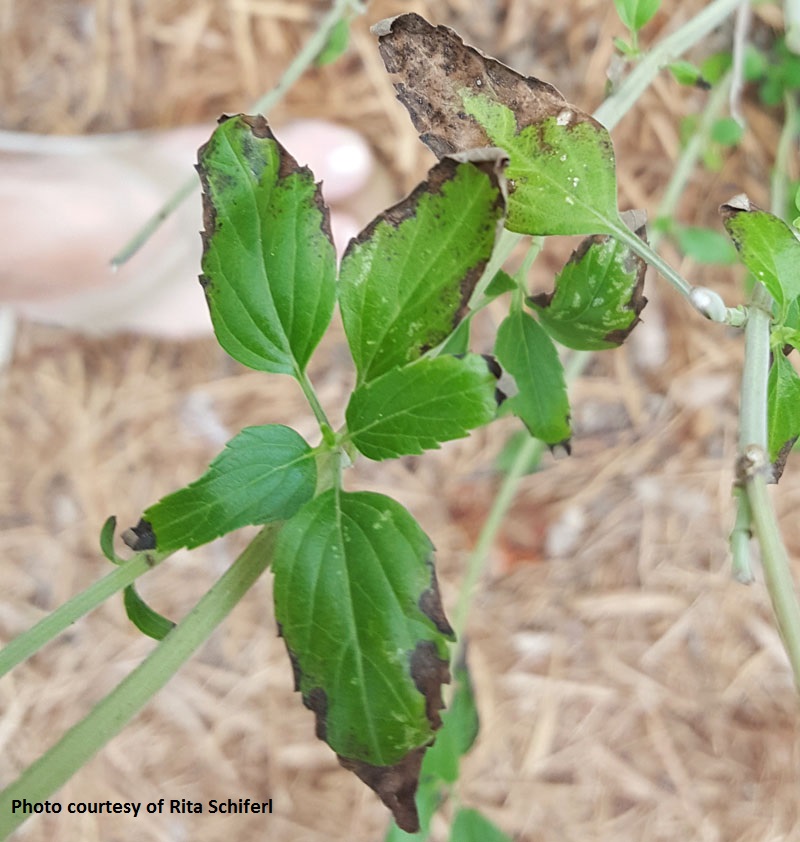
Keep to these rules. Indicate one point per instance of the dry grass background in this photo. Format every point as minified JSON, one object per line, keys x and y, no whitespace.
{"x":628,"y":689}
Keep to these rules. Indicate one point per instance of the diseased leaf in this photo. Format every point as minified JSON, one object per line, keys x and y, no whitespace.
{"x":598,"y":295}
{"x":561,"y":174}
{"x":269,"y":265}
{"x":527,"y":353}
{"x":471,"y":826}
{"x":415,"y":408}
{"x":358,"y":606}
{"x":263,"y":474}
{"x":459,"y":731}
{"x":767,"y":247}
{"x":783,"y":411}
{"x":405,"y":281}
{"x":430,"y":795}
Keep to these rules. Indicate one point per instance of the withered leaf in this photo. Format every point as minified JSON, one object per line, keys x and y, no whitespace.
{"x":431,"y":64}
{"x":598,"y":296}
{"x":561,"y":176}
{"x":358,"y":606}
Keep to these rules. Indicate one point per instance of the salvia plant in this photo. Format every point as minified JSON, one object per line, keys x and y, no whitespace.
{"x":356,"y":598}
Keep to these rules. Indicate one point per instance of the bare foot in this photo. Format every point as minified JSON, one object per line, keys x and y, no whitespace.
{"x":69,"y":204}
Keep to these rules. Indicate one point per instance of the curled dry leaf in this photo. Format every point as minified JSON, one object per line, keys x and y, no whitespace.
{"x":431,"y":64}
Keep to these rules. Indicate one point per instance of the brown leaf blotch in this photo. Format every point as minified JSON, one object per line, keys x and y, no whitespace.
{"x":432,"y":67}
{"x":430,"y":604}
{"x":140,"y":537}
{"x":780,"y":461}
{"x":395,"y":785}
{"x":429,"y":672}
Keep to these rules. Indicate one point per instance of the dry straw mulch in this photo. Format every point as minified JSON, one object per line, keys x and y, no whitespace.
{"x":628,"y":689}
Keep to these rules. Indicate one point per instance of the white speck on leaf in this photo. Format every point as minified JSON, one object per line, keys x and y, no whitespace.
{"x":564,"y":117}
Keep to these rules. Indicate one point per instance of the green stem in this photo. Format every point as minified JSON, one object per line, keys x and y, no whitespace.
{"x":753,"y":406}
{"x":753,"y":440}
{"x":691,"y":152}
{"x":56,"y":622}
{"x":783,"y":153}
{"x":740,"y":537}
{"x":313,"y":401}
{"x":42,"y":778}
{"x":777,"y":573}
{"x":529,"y":454}
{"x":752,"y":421}
{"x":301,"y":62}
{"x":670,"y":48}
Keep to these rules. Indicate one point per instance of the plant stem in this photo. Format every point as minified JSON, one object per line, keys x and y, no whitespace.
{"x":777,"y":574}
{"x":529,"y":454}
{"x":109,"y":716}
{"x":740,"y":537}
{"x":752,"y":421}
{"x":780,"y":172}
{"x":313,"y":400}
{"x":753,"y":440}
{"x":301,"y":62}
{"x":53,"y":624}
{"x":753,"y":406}
{"x":673,"y":46}
{"x":691,"y":152}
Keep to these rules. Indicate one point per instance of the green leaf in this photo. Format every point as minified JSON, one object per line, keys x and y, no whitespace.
{"x":263,"y":474}
{"x":458,"y":341}
{"x":597,"y":298}
{"x":405,"y":281}
{"x":501,"y":283}
{"x":107,"y":540}
{"x":269,"y":264}
{"x":358,"y":606}
{"x":726,"y":131}
{"x":636,"y":13}
{"x":792,"y":315}
{"x":561,"y":176}
{"x":415,"y":408}
{"x":526,"y":352}
{"x":145,"y":619}
{"x":783,"y":407}
{"x":705,"y":245}
{"x":460,"y":725}
{"x":716,"y":66}
{"x":507,"y":458}
{"x":686,"y":73}
{"x":766,"y":246}
{"x":471,"y":826}
{"x":624,"y":48}
{"x":337,"y":43}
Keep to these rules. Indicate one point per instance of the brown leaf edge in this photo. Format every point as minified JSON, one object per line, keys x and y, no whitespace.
{"x":636,"y":221}
{"x":432,"y":66}
{"x":396,"y":785}
{"x":779,"y":464}
{"x":492,"y":162}
{"x":260,"y":130}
